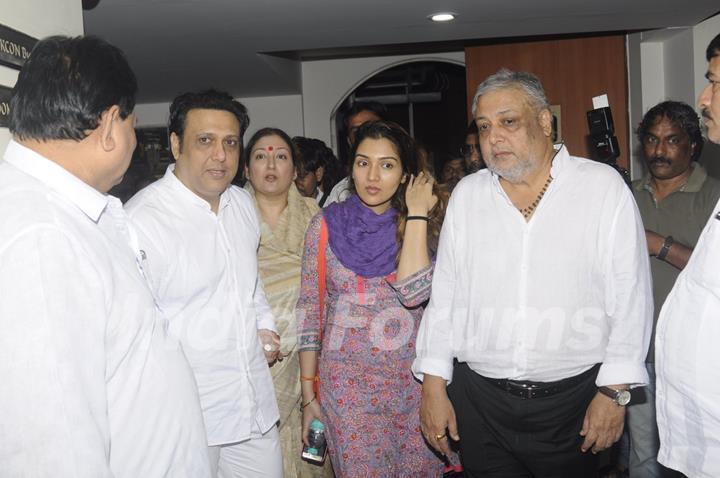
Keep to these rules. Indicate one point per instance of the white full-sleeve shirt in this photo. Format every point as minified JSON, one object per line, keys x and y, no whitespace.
{"x":546,"y":299}
{"x":203,"y":269}
{"x":340,"y":192}
{"x":686,"y":344}
{"x":91,"y":385}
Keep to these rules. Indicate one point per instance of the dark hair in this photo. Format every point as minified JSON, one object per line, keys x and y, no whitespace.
{"x":713,"y":48}
{"x":208,"y":100}
{"x":681,"y":115}
{"x":360,"y":106}
{"x":66,"y":85}
{"x":311,"y":155}
{"x":471,"y":129}
{"x":411,"y":162}
{"x":260,"y":134}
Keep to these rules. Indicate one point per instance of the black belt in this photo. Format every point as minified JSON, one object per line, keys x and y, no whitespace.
{"x":529,"y":390}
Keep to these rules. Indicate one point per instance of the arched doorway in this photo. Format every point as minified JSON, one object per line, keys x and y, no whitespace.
{"x":428,"y":98}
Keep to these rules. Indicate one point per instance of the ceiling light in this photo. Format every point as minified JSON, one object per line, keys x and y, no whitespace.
{"x":89,"y":4}
{"x":442,"y":17}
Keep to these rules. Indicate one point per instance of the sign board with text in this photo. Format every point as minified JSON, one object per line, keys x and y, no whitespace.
{"x":5,"y":106}
{"x":15,"y":47}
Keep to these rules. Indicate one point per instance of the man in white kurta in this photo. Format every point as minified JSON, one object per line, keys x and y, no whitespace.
{"x":688,"y":335}
{"x":541,"y":292}
{"x":91,"y":385}
{"x":200,"y":236}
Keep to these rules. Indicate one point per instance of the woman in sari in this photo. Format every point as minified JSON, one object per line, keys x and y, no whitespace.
{"x":377,"y":273}
{"x":284,"y":217}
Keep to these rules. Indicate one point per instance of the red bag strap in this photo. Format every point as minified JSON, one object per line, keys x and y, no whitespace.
{"x":322,"y":246}
{"x":321,"y":265}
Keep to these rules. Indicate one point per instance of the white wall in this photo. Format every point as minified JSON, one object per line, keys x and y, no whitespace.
{"x":652,"y":67}
{"x":151,"y":114}
{"x":326,"y":83}
{"x":679,"y":64}
{"x":37,"y":18}
{"x":284,"y":112}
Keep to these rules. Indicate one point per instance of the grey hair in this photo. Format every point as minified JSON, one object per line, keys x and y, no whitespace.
{"x":505,"y":78}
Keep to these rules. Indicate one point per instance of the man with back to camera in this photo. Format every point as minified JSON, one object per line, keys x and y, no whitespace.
{"x":675,"y":198}
{"x":92,"y":386}
{"x":201,"y":235}
{"x":688,"y":389}
{"x":541,"y":292}
{"x":361,"y":112}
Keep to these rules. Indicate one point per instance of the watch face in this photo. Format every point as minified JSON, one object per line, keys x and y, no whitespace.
{"x":623,"y":397}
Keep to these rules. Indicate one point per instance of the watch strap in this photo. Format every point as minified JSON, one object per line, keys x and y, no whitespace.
{"x":609,"y":392}
{"x":669,"y":241}
{"x":614,"y":394}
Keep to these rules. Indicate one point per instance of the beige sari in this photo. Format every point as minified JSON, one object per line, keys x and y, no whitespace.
{"x":279,"y":259}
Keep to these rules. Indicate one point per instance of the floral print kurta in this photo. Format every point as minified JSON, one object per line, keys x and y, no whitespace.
{"x":369,"y":397}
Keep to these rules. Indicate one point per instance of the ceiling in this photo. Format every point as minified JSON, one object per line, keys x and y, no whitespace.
{"x":255,"y":47}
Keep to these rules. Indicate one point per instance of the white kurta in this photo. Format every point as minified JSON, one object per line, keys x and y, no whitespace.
{"x":340,"y":192}
{"x":688,"y":382}
{"x":546,"y":299}
{"x":90,"y":384}
{"x":203,"y":268}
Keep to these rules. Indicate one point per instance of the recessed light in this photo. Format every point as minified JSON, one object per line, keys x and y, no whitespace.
{"x":442,"y":17}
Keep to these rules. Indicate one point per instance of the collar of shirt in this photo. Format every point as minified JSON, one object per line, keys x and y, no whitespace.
{"x":694,"y":183}
{"x":190,"y":196}
{"x":88,"y":199}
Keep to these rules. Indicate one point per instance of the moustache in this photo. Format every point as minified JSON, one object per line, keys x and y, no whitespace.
{"x":705,"y":113}
{"x":659,"y":160}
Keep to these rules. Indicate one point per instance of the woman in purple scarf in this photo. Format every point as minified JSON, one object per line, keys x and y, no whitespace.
{"x":377,"y":277}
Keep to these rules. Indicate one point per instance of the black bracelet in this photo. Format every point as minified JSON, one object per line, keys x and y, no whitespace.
{"x":302,"y":406}
{"x":417,"y":218}
{"x":669,"y":241}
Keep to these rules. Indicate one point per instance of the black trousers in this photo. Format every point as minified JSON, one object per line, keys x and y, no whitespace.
{"x":502,"y":435}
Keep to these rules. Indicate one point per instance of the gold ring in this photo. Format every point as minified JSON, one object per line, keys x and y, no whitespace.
{"x":440,"y":437}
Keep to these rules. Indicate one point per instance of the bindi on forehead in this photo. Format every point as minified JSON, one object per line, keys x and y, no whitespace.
{"x":271,"y":149}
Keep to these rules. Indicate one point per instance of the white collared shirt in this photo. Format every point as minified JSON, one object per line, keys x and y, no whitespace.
{"x":340,"y":192}
{"x":203,"y":268}
{"x":90,"y":383}
{"x":686,"y":343}
{"x":546,"y":299}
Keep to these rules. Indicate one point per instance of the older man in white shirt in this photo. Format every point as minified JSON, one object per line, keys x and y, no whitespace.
{"x":688,"y":332}
{"x":541,"y":292}
{"x":200,"y":236}
{"x":91,"y":386}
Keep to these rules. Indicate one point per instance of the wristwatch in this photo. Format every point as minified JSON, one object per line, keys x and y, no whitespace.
{"x":621,"y":397}
{"x":669,"y":241}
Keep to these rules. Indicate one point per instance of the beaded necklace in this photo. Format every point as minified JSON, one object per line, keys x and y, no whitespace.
{"x":528,"y":211}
